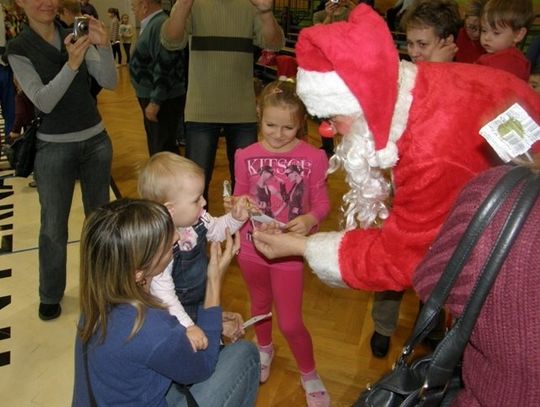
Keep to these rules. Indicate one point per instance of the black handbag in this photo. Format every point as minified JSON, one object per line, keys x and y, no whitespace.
{"x":435,"y":380}
{"x":21,"y":153}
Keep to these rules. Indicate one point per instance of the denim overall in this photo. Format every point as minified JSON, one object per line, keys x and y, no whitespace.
{"x":189,"y":273}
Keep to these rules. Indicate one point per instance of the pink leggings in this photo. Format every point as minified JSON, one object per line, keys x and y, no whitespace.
{"x":282,"y":284}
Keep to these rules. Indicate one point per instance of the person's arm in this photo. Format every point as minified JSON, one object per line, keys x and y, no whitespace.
{"x":100,"y":64}
{"x":173,"y":355}
{"x":270,"y":33}
{"x":218,"y":264}
{"x":44,"y":96}
{"x":99,"y":57}
{"x":162,"y":287}
{"x":318,"y":188}
{"x":174,"y":31}
{"x":218,"y":226}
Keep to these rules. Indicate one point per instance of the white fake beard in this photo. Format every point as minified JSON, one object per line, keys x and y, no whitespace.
{"x":364,"y":203}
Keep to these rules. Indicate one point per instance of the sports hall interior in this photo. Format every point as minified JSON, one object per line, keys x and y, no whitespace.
{"x":36,"y":357}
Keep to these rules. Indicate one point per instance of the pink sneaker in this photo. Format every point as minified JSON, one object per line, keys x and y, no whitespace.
{"x":316,"y":394}
{"x":266,"y":362}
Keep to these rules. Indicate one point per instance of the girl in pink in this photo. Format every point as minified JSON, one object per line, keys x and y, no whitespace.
{"x":287,"y":178}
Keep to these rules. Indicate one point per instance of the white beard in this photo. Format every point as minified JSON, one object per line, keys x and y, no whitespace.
{"x":367,"y":198}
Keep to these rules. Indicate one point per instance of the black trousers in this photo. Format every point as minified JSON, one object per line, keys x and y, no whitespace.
{"x":161,"y":135}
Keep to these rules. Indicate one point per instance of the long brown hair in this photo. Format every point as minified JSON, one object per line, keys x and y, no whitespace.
{"x":117,"y":240}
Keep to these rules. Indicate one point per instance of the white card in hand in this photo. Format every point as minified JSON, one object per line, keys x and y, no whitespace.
{"x":262,"y":218}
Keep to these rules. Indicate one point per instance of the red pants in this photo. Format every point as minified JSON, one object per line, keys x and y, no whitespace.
{"x":281,"y":284}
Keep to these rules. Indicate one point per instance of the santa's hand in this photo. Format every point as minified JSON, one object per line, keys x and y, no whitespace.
{"x":275,"y":245}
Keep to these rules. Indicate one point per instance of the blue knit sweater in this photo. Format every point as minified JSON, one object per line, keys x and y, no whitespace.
{"x":139,"y":371}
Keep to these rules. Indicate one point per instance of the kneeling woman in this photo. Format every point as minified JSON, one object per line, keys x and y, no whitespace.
{"x":129,"y":350}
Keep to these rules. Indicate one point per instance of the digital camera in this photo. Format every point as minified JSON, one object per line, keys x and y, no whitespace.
{"x":80,"y":27}
{"x":335,"y":1}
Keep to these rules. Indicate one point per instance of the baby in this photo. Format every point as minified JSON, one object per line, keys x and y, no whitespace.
{"x":178,"y":184}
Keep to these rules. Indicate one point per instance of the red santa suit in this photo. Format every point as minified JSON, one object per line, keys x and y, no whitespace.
{"x":423,"y":121}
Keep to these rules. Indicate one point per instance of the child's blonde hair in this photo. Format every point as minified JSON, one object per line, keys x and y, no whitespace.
{"x":515,"y":14}
{"x":161,"y":172}
{"x":283,"y":94}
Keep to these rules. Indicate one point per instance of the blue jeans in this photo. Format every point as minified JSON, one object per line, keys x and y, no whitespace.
{"x":56,"y":169}
{"x":234,"y":383}
{"x":202,"y":142}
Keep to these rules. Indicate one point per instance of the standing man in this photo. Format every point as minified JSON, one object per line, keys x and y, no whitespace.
{"x":220,"y":91}
{"x":157,"y":75}
{"x":87,"y":8}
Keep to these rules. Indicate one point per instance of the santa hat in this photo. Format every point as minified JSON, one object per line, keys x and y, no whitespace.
{"x":350,"y":67}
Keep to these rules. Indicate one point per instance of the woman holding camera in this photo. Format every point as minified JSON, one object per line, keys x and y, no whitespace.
{"x":54,"y":71}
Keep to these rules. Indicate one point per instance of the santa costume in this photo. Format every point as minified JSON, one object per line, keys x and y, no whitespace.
{"x":414,"y":144}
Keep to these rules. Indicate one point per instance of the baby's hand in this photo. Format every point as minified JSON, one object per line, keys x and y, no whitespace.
{"x":241,"y":207}
{"x":228,"y":203}
{"x":197,"y":338}
{"x":302,"y":224}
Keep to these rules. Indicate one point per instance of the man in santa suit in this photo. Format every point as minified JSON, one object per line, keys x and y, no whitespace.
{"x":411,"y":142}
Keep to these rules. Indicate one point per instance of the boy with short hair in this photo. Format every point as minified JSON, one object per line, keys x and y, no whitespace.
{"x":178,"y":184}
{"x":504,"y":24}
{"x":431,"y":27}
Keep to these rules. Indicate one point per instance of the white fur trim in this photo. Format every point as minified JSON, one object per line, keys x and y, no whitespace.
{"x":322,"y":255}
{"x":325,"y":94}
{"x":388,"y":156}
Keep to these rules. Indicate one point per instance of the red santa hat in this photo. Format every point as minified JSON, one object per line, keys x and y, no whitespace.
{"x":350,"y":67}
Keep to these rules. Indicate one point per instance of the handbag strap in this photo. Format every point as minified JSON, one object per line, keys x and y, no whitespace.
{"x":448,"y":354}
{"x":427,"y":318}
{"x":184,"y":389}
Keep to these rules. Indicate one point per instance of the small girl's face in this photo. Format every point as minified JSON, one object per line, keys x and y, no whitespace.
{"x":125,"y":19}
{"x":472,"y":27}
{"x":534,"y":81}
{"x":499,"y":38}
{"x":186,"y":204}
{"x":280,"y":126}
